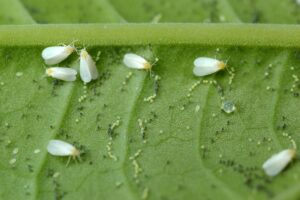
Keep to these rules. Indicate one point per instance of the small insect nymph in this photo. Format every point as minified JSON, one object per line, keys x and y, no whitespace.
{"x":205,"y":66}
{"x":88,"y":69}
{"x":278,"y":162}
{"x":56,"y":54}
{"x":62,"y":73}
{"x":137,"y":62}
{"x":61,"y":148}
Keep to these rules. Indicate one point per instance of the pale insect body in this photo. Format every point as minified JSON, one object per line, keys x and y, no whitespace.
{"x":61,"y":148}
{"x":56,"y":54}
{"x":135,"y":61}
{"x":62,"y":73}
{"x":88,"y":69}
{"x":205,"y":66}
{"x":276,"y":163}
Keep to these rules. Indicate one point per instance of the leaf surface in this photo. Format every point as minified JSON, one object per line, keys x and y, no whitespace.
{"x":181,"y":146}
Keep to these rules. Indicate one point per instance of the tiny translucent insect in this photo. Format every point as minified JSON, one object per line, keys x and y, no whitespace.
{"x":56,"y":54}
{"x":88,"y":69}
{"x":205,"y":66}
{"x":62,"y":73}
{"x":278,"y":162}
{"x":135,"y":61}
{"x":61,"y":148}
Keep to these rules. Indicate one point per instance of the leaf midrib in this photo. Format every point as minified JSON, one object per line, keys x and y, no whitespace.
{"x":247,"y":35}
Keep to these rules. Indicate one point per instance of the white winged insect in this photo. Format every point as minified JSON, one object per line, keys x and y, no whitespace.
{"x":55,"y":54}
{"x":62,"y":73}
{"x":276,"y":163}
{"x":61,"y":148}
{"x":135,"y":61}
{"x":88,"y":69}
{"x":205,"y":66}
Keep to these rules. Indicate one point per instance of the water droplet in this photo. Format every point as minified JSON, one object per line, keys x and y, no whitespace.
{"x":228,"y":107}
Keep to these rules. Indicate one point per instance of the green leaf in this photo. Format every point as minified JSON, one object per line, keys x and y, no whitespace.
{"x":19,"y":16}
{"x":273,"y":11}
{"x":181,"y":146}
